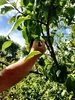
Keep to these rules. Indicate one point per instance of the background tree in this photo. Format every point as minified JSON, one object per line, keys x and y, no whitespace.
{"x":47,"y":19}
{"x":11,"y":54}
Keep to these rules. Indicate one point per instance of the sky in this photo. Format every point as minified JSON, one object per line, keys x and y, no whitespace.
{"x":16,"y":35}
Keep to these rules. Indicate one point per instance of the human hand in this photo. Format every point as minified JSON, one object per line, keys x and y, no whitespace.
{"x":38,"y":46}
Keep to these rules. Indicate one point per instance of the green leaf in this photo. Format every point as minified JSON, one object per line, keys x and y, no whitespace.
{"x":32,"y":54}
{"x":12,"y":19}
{"x":2,"y":2}
{"x":18,"y":22}
{"x":6,"y":45}
{"x":5,"y":9}
{"x":61,"y":3}
{"x":72,"y":58}
{"x":73,"y":27}
{"x":35,"y":36}
{"x":26,"y":37}
{"x":24,"y":33}
{"x":29,"y":6}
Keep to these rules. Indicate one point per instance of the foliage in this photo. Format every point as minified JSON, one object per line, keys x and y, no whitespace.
{"x":6,"y":45}
{"x":70,"y":83}
{"x":8,"y":55}
{"x":32,"y":54}
{"x":50,"y":20}
{"x":2,"y":2}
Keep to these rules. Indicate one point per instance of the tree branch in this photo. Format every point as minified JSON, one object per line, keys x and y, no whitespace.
{"x":47,"y":26}
{"x":45,"y":41}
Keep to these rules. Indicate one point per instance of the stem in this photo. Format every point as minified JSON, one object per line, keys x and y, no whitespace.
{"x":36,"y":72}
{"x":41,"y":22}
{"x":43,"y":33}
{"x":48,"y":35}
{"x":45,"y":41}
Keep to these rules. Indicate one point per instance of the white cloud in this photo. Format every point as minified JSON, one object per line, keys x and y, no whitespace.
{"x":16,"y":36}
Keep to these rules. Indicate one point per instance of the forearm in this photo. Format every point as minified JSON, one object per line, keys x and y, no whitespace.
{"x":15,"y":72}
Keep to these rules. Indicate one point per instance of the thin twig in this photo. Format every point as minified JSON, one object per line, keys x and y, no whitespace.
{"x":71,"y":72}
{"x":36,"y":72}
{"x":41,"y":22}
{"x":14,"y":7}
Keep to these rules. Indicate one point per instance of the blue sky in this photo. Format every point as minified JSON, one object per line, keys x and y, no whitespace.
{"x":16,"y":36}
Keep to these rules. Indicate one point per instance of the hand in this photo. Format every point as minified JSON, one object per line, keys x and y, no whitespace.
{"x":36,"y":47}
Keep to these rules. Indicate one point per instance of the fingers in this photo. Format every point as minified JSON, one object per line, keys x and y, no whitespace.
{"x":39,"y":45}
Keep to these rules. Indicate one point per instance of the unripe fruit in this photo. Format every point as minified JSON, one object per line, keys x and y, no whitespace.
{"x":59,"y":73}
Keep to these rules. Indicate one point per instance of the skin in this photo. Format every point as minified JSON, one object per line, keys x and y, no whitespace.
{"x":14,"y":73}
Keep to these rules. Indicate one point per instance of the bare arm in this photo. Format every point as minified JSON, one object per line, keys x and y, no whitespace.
{"x":15,"y":72}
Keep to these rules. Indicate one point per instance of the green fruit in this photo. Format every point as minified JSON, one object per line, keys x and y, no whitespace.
{"x":70,"y":83}
{"x":59,"y":73}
